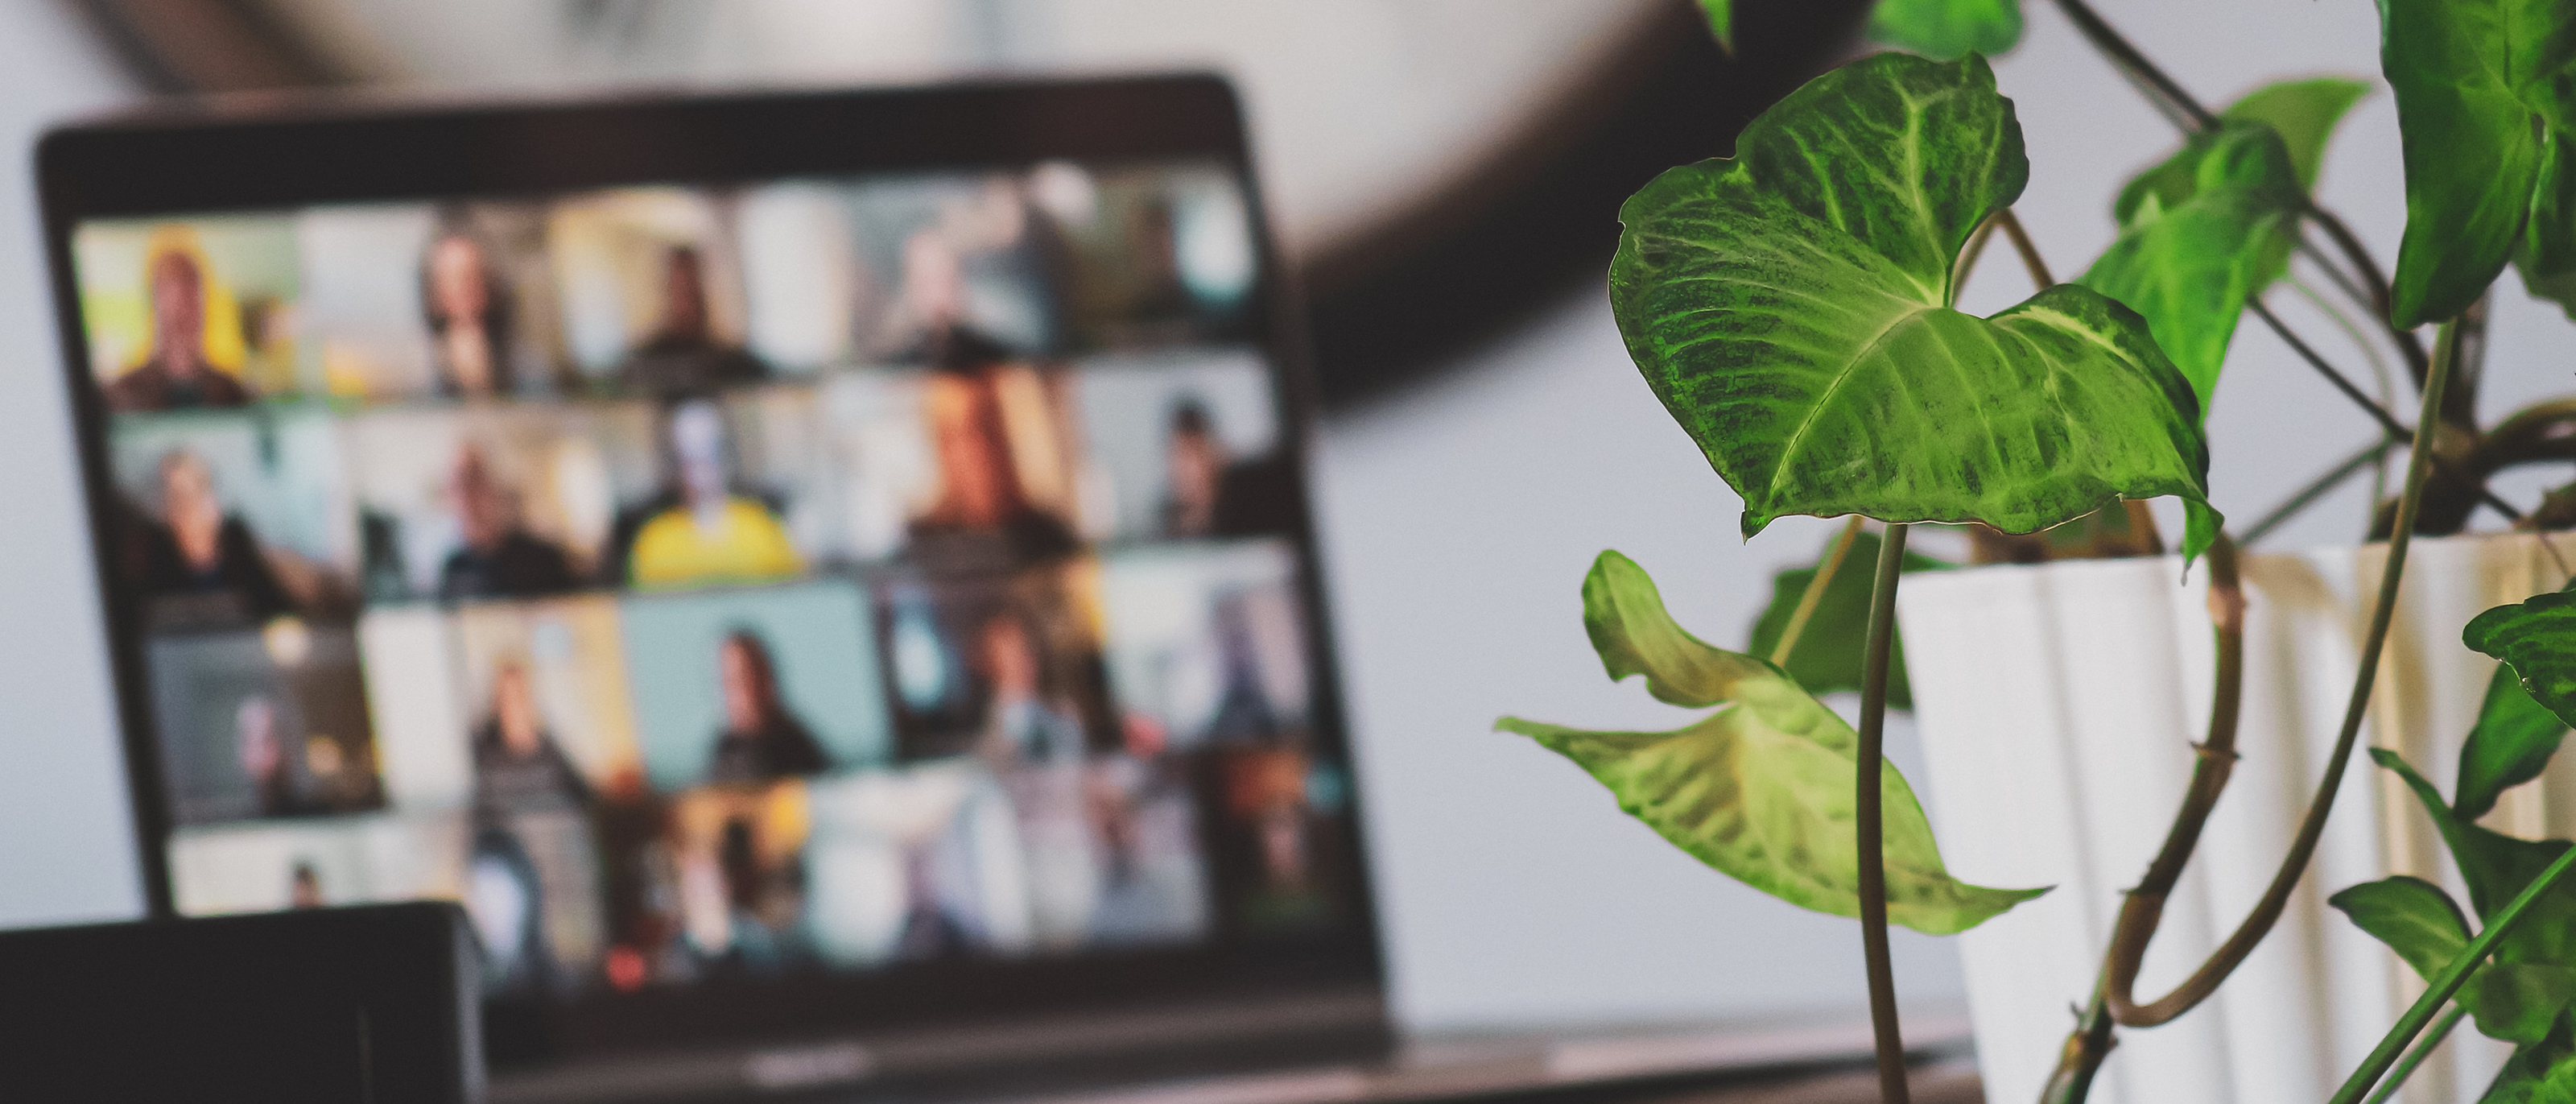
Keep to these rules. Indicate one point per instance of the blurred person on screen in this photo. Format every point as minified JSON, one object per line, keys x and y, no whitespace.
{"x":505,"y":899}
{"x":264,"y":757}
{"x":497,"y":556}
{"x":467,"y":309}
{"x":1021,"y":726}
{"x":304,"y":887}
{"x":683,"y":356}
{"x":1210,"y":494}
{"x":928,"y":322}
{"x":518,"y":766}
{"x":176,"y":373}
{"x":760,"y":739}
{"x":191,"y":549}
{"x":979,"y":490}
{"x":1037,"y":748}
{"x":701,"y":531}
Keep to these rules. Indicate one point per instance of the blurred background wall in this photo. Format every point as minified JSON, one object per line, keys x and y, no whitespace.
{"x":1445,"y":173}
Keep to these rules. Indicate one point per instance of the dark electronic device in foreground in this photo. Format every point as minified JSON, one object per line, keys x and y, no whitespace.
{"x":375,"y":1003}
{"x":824,"y":580}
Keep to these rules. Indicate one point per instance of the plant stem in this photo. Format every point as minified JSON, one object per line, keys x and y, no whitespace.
{"x":2417,"y":364}
{"x":1868,"y":782}
{"x":2092,"y":1041}
{"x":2386,"y":388}
{"x":2316,"y":489}
{"x":2082,"y":1058}
{"x":1968,"y":256}
{"x":2172,"y":94}
{"x":2140,"y":914}
{"x":2448,"y":982}
{"x":2038,"y":269}
{"x":2127,"y":57}
{"x":1814,"y":593}
{"x":2387,"y":422}
{"x":2405,"y":1067}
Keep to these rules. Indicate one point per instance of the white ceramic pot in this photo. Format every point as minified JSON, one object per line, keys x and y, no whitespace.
{"x":2058,"y":705}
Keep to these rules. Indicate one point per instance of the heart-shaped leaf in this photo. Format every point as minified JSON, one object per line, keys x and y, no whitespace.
{"x":1761,"y":789}
{"x":2413,"y":916}
{"x":2537,"y":636}
{"x":2485,"y":102}
{"x":1830,"y":649}
{"x":2303,"y":113}
{"x":2510,"y":745}
{"x":2201,"y":234}
{"x":2497,"y":867}
{"x":1791,"y":307}
{"x":1947,"y":29}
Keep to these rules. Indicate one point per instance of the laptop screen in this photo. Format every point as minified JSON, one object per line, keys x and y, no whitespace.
{"x":773,"y":582}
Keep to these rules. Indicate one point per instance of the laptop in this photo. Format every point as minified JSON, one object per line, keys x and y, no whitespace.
{"x":824,"y":580}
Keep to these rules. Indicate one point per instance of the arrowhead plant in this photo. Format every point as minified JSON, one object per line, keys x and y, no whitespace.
{"x":1794,"y":308}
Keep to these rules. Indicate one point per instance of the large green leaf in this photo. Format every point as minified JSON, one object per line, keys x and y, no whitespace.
{"x":1947,"y":29}
{"x":2511,"y":1000}
{"x":1761,"y":789}
{"x":2497,"y":867}
{"x":1830,"y":649}
{"x":2537,"y":636}
{"x":2304,"y":113}
{"x":2201,"y":234}
{"x":1721,"y":22}
{"x":2547,"y":255}
{"x":2519,"y":1000}
{"x":1791,"y":307}
{"x":2485,"y":103}
{"x":2510,"y":745}
{"x":2539,"y":1073}
{"x":2413,"y":916}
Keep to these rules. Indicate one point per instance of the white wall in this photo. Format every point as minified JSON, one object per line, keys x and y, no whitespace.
{"x":66,"y":846}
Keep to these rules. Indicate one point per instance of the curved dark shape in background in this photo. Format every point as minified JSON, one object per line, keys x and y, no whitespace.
{"x":1390,"y":305}
{"x":1538,"y":221}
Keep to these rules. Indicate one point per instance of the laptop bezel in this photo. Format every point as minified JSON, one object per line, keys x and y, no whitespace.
{"x":277,"y":154}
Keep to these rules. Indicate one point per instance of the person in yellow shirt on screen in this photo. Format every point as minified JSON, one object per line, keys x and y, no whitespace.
{"x":710,"y":534}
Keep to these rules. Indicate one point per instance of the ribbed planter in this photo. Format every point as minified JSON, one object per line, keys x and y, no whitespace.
{"x":2058,"y":705}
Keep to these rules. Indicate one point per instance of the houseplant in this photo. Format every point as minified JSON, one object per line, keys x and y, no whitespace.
{"x":1793,"y":308}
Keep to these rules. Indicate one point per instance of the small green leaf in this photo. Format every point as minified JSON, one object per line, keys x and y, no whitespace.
{"x":2304,"y":113}
{"x":1947,"y":30}
{"x":2413,"y":916}
{"x":2497,"y":867}
{"x":2214,"y":224}
{"x":1721,"y":22}
{"x":2201,"y":234}
{"x":1761,"y":789}
{"x":2510,"y":745}
{"x":1791,"y":308}
{"x":1624,"y":615}
{"x":2537,"y":636}
{"x":1831,"y":647}
{"x":2484,"y":101}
